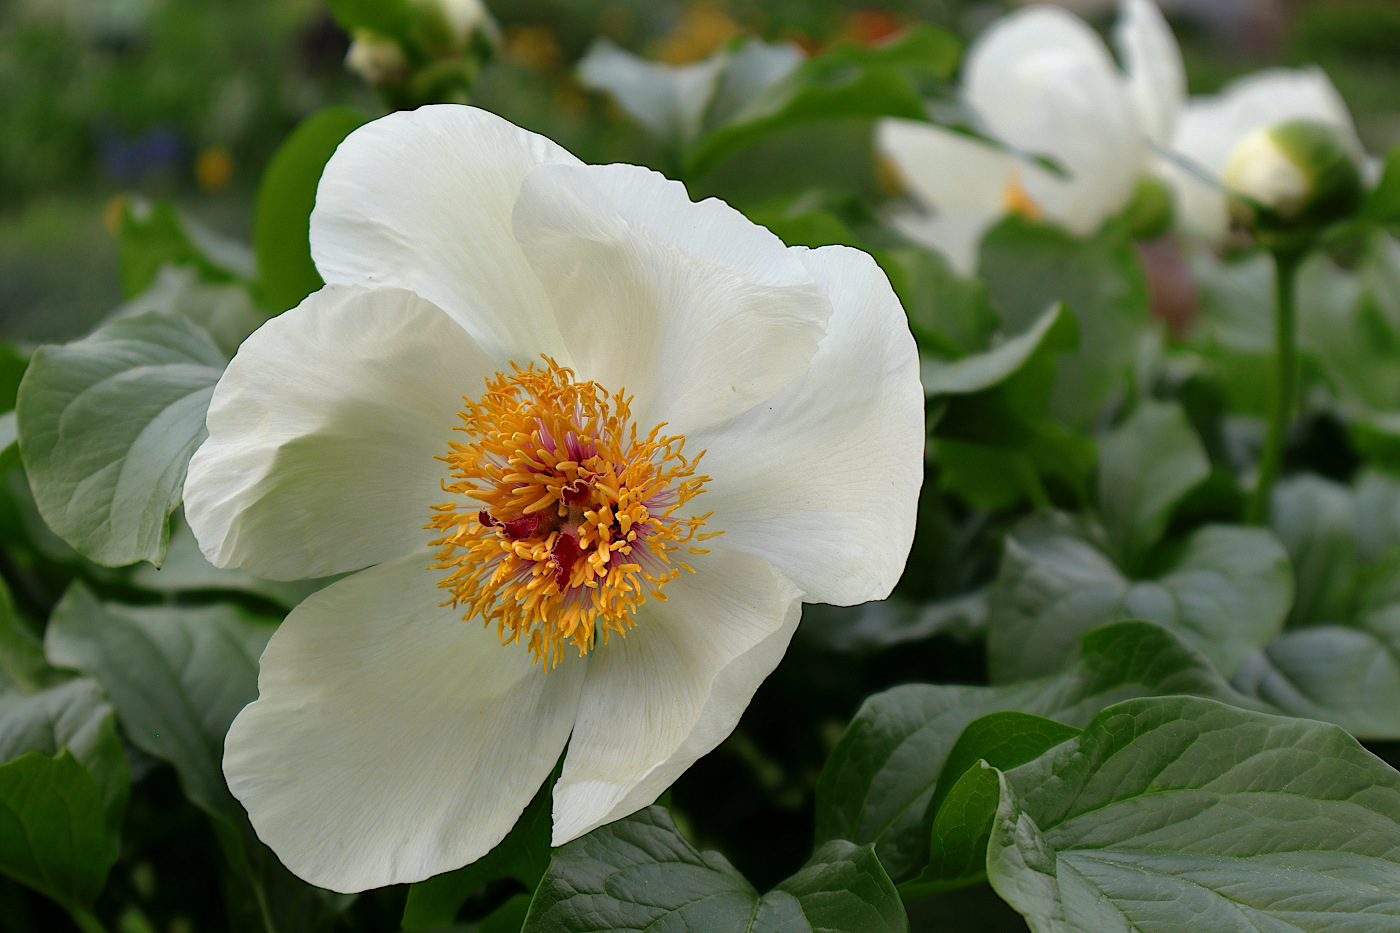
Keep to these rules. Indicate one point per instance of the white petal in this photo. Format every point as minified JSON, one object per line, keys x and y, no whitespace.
{"x":391,"y":740}
{"x":1211,"y":127}
{"x":422,"y":200}
{"x":672,"y":688}
{"x":323,"y":434}
{"x":964,"y":184}
{"x":1155,"y":73}
{"x":822,"y":481}
{"x":1043,"y":82}
{"x":697,"y":311}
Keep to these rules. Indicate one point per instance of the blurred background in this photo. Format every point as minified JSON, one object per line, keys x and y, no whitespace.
{"x":103,"y":100}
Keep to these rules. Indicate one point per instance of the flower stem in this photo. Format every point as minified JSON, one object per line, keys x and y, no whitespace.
{"x":1286,"y":264}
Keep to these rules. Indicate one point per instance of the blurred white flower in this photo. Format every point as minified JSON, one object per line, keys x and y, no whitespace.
{"x":376,"y":59}
{"x":1041,"y":82}
{"x":549,"y":560}
{"x":1214,"y":126}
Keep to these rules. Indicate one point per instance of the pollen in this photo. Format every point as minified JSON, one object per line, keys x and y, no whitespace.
{"x":565,"y":516}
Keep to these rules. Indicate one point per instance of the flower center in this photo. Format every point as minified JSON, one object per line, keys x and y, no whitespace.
{"x":575,"y":518}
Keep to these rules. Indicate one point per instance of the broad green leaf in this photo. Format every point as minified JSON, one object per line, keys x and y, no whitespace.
{"x":74,"y":716}
{"x":1053,"y":331}
{"x":1340,"y":660}
{"x":287,"y":192}
{"x":1147,"y":466}
{"x":1383,"y":203}
{"x":225,"y":311}
{"x":107,"y":425}
{"x":1227,"y":595}
{"x":523,"y":855}
{"x":843,"y":888}
{"x":1030,"y":265}
{"x":848,"y":81}
{"x":176,"y":676}
{"x":386,"y":17}
{"x":676,"y":103}
{"x":640,"y":874}
{"x":1004,"y":740}
{"x":53,"y":828}
{"x":947,"y":311}
{"x":1179,"y":813}
{"x":878,"y":782}
{"x":154,"y":235}
{"x":875,"y":626}
{"x":966,"y":797}
{"x":22,"y":663}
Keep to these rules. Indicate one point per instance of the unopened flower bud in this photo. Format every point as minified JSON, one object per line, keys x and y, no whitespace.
{"x":447,"y":27}
{"x":378,"y":59}
{"x":1292,"y":177}
{"x":1149,"y":213}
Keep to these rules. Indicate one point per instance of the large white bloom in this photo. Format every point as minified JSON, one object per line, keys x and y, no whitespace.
{"x":1214,"y":125}
{"x":1041,"y":82}
{"x":392,"y":739}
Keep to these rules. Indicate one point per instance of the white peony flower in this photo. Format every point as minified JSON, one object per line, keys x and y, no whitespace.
{"x":495,"y":413}
{"x":1213,"y":127}
{"x":1041,"y":82}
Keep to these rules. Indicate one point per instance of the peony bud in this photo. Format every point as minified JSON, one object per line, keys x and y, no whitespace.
{"x":1292,"y":177}
{"x":378,"y":59}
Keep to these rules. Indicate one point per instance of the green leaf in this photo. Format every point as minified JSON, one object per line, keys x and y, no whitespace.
{"x":226,"y":312}
{"x":640,"y":874}
{"x":1340,"y":660}
{"x":677,"y":103}
{"x":22,"y":663}
{"x":843,"y":888}
{"x":53,"y":828}
{"x":74,"y":716}
{"x":1029,"y":265}
{"x":155,"y":235}
{"x":848,"y":81}
{"x":875,"y":626}
{"x":523,"y":855}
{"x":1383,"y":203}
{"x":1148,"y":464}
{"x":1052,"y":332}
{"x":176,"y":676}
{"x":1227,"y":595}
{"x":287,"y":192}
{"x":386,"y":17}
{"x":1169,"y":813}
{"x":966,"y":796}
{"x":1004,"y":740}
{"x":107,"y":425}
{"x":878,"y":782}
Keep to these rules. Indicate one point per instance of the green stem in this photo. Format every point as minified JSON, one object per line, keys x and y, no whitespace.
{"x":1285,"y":384}
{"x":86,"y":920}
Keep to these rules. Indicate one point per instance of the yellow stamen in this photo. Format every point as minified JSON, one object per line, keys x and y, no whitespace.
{"x":1015,"y":200}
{"x":574,"y":514}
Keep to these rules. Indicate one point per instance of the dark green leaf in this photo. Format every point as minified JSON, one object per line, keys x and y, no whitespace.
{"x":74,"y":716}
{"x":386,"y":17}
{"x":1029,"y":265}
{"x":22,"y":663}
{"x":878,"y":782}
{"x":53,"y":828}
{"x":281,"y":217}
{"x":875,"y":626}
{"x":1383,"y":203}
{"x":1166,"y":814}
{"x":848,"y":81}
{"x":967,"y":793}
{"x":640,"y":874}
{"x":176,"y":676}
{"x":1052,"y":332}
{"x":107,"y":425}
{"x":844,"y":889}
{"x":1148,"y":465}
{"x":1227,"y":595}
{"x":155,"y":235}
